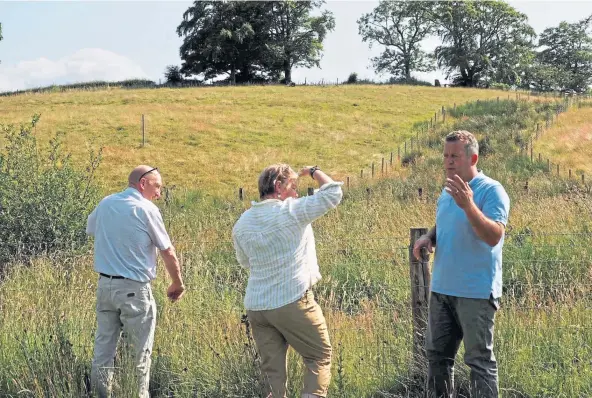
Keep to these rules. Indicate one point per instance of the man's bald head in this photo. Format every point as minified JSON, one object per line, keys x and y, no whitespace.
{"x":147,"y":181}
{"x":139,"y":172}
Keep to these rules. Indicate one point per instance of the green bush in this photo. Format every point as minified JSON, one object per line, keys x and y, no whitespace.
{"x":411,"y":81}
{"x":44,"y":199}
{"x":352,"y":78}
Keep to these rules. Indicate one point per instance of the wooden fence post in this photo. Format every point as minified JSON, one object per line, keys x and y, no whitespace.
{"x":557,"y":168}
{"x":143,"y":131}
{"x":419,"y":273}
{"x":391,"y":158}
{"x":583,"y":179}
{"x":372,"y":169}
{"x":310,"y":191}
{"x":382,"y":167}
{"x":348,"y":183}
{"x":443,"y":115}
{"x":531,"y":146}
{"x":548,"y":165}
{"x":240,"y":194}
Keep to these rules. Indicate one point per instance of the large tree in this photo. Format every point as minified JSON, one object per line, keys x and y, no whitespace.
{"x":220,"y":38}
{"x":482,"y":40}
{"x":247,"y":39}
{"x":567,"y":50}
{"x":399,"y":26}
{"x":295,"y":37}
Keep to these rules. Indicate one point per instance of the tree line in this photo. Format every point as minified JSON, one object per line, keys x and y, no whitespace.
{"x":482,"y":43}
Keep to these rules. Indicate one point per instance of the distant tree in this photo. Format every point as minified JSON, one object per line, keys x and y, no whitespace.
{"x":400,"y":26}
{"x":172,"y":74}
{"x":220,"y":38}
{"x":544,"y":77}
{"x":249,"y":40}
{"x":295,"y":38}
{"x":567,"y":52}
{"x":482,"y":40}
{"x":0,"y":32}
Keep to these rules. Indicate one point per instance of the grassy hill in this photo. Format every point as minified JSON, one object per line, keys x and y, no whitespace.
{"x":217,"y":139}
{"x":202,"y":349}
{"x":569,"y":142}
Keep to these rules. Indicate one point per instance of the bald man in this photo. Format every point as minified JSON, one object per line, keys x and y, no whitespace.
{"x":128,"y":229}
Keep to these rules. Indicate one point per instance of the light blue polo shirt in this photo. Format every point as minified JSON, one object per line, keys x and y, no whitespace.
{"x":464,"y":265}
{"x":128,"y":230}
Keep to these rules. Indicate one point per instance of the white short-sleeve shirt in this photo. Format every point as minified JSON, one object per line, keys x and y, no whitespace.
{"x":128,"y":230}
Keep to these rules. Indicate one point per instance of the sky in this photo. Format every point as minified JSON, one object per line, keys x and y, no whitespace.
{"x":62,"y":42}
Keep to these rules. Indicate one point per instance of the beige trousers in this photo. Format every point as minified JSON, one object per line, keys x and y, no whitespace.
{"x":128,"y":306}
{"x":301,"y":325}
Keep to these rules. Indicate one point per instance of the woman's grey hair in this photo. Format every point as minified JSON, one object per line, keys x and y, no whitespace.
{"x":271,"y":174}
{"x":471,"y":143}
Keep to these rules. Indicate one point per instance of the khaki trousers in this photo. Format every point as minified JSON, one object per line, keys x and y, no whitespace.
{"x":128,"y":306}
{"x":301,"y":325}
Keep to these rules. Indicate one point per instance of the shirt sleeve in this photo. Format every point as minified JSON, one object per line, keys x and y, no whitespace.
{"x":91,"y":222}
{"x":156,"y":229}
{"x":241,"y":256}
{"x":307,"y":209}
{"x":497,"y":205}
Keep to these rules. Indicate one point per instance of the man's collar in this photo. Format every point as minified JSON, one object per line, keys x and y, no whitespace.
{"x":134,"y":192}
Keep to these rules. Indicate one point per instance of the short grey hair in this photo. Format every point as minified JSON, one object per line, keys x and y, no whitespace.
{"x":467,"y":138}
{"x":271,"y":174}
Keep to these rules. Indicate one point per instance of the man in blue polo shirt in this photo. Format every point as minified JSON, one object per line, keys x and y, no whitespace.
{"x":471,"y":216}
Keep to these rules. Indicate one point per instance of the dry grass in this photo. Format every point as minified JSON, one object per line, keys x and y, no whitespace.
{"x":569,"y":142}
{"x":217,"y":139}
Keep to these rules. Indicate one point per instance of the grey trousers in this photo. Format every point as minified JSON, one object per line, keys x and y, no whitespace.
{"x":128,"y":306}
{"x":450,"y":320}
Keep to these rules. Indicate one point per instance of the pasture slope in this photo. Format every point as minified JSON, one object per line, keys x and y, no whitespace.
{"x":210,"y":141}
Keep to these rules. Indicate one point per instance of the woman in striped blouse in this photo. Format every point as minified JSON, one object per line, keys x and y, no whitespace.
{"x":274,"y":240}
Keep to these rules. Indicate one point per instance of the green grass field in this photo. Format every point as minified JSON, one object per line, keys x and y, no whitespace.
{"x":543,"y":331}
{"x":217,"y":139}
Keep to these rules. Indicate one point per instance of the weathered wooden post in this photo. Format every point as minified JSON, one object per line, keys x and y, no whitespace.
{"x":143,"y":131}
{"x":419,"y":273}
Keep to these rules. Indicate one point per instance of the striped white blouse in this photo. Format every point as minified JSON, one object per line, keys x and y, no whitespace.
{"x":274,"y":239}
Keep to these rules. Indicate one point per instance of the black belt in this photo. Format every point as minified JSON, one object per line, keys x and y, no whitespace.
{"x":111,"y":277}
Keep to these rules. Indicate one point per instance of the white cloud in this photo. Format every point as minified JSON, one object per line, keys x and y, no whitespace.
{"x":84,"y":65}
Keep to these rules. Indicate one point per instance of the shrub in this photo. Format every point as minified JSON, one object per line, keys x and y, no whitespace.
{"x":44,"y":199}
{"x":352,"y":78}
{"x":172,"y":74}
{"x":412,"y":81}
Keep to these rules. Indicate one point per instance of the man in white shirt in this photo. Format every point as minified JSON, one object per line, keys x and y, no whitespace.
{"x":128,"y":229}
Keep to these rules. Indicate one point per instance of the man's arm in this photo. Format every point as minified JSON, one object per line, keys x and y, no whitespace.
{"x":487,"y":230}
{"x":171,"y":262}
